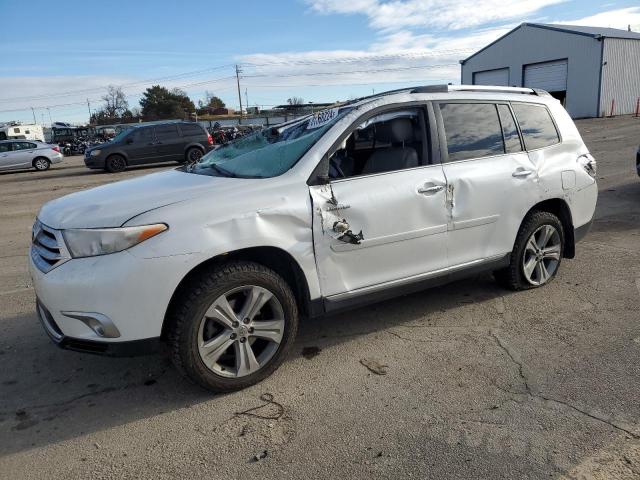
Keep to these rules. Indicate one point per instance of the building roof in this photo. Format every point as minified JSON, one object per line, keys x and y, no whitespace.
{"x":593,"y":32}
{"x":590,"y":31}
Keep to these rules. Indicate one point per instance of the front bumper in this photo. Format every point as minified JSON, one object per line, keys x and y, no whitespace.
{"x":93,"y":162}
{"x":131,"y":292}
{"x":113,"y":349}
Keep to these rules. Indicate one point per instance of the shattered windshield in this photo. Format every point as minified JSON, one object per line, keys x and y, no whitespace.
{"x":268,"y":152}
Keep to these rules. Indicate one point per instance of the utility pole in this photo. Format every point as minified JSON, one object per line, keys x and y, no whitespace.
{"x":34,"y":115}
{"x":89,"y":107}
{"x":50,"y":121}
{"x":246,"y":98}
{"x":238,"y":71}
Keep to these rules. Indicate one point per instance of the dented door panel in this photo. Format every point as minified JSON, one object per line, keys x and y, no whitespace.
{"x":403,"y":228}
{"x":488,"y":198}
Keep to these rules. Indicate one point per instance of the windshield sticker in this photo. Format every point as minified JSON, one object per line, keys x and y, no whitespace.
{"x":322,"y":118}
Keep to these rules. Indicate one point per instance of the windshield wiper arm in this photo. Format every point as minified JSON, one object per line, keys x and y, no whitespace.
{"x":222,"y":171}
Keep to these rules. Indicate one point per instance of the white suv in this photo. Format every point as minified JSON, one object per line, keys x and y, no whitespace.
{"x":370,"y":199}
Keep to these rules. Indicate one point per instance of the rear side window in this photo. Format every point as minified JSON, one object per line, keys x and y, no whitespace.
{"x":166,"y":131}
{"x":536,"y":125}
{"x":143,"y":135}
{"x":190,"y":129}
{"x":472,"y":129}
{"x":509,"y":130}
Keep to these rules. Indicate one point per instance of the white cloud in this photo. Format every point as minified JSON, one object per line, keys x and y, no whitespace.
{"x":620,"y":18}
{"x":446,"y":14}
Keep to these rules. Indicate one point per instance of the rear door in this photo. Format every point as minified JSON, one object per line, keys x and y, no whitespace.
{"x":491,"y":182}
{"x":170,"y":144}
{"x":22,"y":154}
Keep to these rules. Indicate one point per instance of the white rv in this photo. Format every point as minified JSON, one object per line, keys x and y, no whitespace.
{"x":15,"y":130}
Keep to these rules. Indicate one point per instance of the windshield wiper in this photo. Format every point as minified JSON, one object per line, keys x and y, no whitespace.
{"x":223,"y":172}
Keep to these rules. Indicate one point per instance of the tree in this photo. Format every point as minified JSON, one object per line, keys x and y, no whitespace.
{"x":158,"y":103}
{"x":212,"y":101}
{"x":115,"y":102}
{"x":295,"y":101}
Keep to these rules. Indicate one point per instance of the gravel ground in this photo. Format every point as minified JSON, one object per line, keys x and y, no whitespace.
{"x":480,"y":382}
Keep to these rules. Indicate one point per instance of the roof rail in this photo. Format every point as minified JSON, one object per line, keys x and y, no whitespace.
{"x":479,"y":88}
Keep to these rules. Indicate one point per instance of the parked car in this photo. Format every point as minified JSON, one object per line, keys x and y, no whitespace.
{"x":151,"y":143}
{"x":16,"y":154}
{"x":371,"y":199}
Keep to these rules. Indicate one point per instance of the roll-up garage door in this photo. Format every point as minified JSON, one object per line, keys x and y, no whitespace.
{"x":549,"y":76}
{"x":498,"y":77}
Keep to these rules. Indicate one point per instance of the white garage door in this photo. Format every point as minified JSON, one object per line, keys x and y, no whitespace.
{"x":498,"y":77}
{"x":549,"y":76}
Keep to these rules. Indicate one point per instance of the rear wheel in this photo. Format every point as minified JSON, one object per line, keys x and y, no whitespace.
{"x":115,"y":163}
{"x":537,"y":253}
{"x":41,"y":164}
{"x":232,"y":326}
{"x":193,"y":155}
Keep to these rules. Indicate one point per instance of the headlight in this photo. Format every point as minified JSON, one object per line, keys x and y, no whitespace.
{"x":90,"y":242}
{"x":95,"y":153}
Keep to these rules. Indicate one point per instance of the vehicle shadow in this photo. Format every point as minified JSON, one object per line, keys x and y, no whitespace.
{"x":50,"y":395}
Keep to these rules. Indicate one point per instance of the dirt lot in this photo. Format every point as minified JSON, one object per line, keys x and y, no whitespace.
{"x":480,"y":382}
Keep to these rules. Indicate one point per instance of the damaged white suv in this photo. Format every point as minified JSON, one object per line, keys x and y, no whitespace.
{"x":373,"y":198}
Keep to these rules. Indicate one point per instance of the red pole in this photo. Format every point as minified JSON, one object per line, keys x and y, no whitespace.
{"x":638,"y":107}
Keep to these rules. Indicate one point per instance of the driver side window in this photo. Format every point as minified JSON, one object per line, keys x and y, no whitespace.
{"x":389,"y":141}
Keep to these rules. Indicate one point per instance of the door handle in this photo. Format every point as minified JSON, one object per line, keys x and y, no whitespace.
{"x":521,"y":173}
{"x":432,"y":189}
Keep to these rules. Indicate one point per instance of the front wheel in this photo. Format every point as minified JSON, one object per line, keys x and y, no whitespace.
{"x":115,"y":164}
{"x":232,"y":326}
{"x":537,"y":253}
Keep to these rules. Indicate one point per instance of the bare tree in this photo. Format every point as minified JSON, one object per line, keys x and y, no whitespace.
{"x":295,"y":101}
{"x":115,"y":102}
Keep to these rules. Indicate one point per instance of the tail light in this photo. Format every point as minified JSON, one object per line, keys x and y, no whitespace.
{"x":209,"y":139}
{"x":589,"y":164}
{"x":56,"y":149}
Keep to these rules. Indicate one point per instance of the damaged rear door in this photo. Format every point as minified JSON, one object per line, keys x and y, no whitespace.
{"x":376,"y":228}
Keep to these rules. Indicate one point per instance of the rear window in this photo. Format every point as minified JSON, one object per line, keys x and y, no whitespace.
{"x":189,"y":129}
{"x":537,"y":128}
{"x":166,"y":131}
{"x":472,"y":129}
{"x":509,"y":130}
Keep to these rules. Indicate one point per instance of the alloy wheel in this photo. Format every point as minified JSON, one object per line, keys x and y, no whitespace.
{"x":41,"y":164}
{"x":241,"y":331}
{"x":195,"y":155}
{"x":541,"y":255}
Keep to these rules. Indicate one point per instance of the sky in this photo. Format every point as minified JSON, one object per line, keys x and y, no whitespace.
{"x":57,"y":55}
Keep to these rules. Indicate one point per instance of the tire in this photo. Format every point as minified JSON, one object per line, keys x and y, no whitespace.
{"x":210,"y":343}
{"x":41,"y":164}
{"x":534,"y":261}
{"x":115,"y":163}
{"x":193,"y":155}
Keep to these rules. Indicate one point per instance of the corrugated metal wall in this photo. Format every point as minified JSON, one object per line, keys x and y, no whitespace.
{"x":620,"y":76}
{"x":528,"y":45}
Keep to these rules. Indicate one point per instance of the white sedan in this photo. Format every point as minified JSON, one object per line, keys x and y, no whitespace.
{"x":16,"y":154}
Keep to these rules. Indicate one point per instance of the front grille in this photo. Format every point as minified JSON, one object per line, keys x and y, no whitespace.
{"x":47,"y":247}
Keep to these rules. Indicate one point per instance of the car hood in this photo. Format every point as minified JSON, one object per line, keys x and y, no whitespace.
{"x":112,"y":205}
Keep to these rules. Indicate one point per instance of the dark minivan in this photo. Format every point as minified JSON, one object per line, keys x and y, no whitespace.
{"x":142,"y":144}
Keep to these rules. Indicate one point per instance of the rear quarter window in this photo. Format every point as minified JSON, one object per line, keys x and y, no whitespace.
{"x":191,"y":129}
{"x":536,"y":125}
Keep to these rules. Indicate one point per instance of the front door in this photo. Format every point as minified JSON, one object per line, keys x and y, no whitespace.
{"x":491,"y":182}
{"x":382,"y":219}
{"x":143,"y":148}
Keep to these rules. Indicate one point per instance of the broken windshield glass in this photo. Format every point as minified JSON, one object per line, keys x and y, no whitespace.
{"x":269,"y":152}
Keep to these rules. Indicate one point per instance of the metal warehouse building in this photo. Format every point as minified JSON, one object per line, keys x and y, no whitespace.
{"x":589,"y":69}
